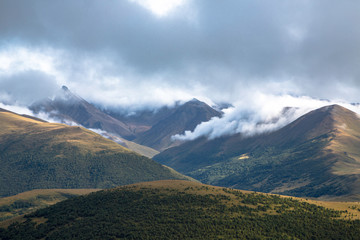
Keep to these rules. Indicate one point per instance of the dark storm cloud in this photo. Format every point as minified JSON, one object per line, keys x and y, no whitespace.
{"x":300,"y":46}
{"x":26,"y":87}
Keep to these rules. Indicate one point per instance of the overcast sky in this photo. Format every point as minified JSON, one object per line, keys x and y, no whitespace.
{"x":147,"y":53}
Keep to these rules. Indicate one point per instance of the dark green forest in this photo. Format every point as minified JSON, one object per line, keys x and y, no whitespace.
{"x":192,"y":212}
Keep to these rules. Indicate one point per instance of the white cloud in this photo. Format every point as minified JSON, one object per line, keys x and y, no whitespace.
{"x":160,"y":8}
{"x":17,"y":58}
{"x":259,"y":114}
{"x":16,"y":109}
{"x":107,"y":135}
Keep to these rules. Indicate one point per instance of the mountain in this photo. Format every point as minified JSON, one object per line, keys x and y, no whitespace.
{"x":184,"y":210}
{"x":149,"y":128}
{"x":182,"y":118}
{"x":317,"y":155}
{"x":35,"y":154}
{"x":69,"y":107}
{"x":141,"y":120}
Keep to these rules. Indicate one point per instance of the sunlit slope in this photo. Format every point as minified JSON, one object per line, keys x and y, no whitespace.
{"x":184,"y":210}
{"x":36,"y":154}
{"x":345,"y":142}
{"x":30,"y":201}
{"x":316,"y":156}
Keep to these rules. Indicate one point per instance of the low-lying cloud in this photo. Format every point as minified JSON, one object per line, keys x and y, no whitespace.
{"x":261,"y":114}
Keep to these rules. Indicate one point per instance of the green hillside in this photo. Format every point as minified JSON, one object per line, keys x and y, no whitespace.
{"x":318,"y":155}
{"x":39,"y":155}
{"x":183,"y":210}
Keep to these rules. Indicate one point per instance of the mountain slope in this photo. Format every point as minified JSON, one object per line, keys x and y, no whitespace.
{"x":184,"y":117}
{"x":183,"y":210}
{"x":141,"y":120}
{"x":149,"y":128}
{"x":36,"y":154}
{"x":67,"y":106}
{"x":317,"y":155}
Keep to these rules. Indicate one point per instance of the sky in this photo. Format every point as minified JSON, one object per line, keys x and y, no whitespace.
{"x":146,"y":53}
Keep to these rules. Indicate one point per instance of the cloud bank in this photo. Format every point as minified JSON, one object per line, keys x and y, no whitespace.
{"x":262,"y":114}
{"x":120,"y":53}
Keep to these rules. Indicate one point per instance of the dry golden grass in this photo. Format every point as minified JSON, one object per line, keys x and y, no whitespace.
{"x":346,"y":143}
{"x":40,"y":198}
{"x":14,"y":124}
{"x":243,"y":156}
{"x":45,"y":192}
{"x":142,"y":150}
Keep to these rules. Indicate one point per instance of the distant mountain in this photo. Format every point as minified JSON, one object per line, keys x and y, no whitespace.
{"x":318,"y":155}
{"x":149,"y":128}
{"x":67,"y":106}
{"x":35,"y":154}
{"x":184,"y":210}
{"x":182,"y":118}
{"x":140,"y":121}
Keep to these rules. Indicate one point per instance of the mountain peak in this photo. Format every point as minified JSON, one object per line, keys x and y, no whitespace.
{"x":338,"y":114}
{"x":195,"y":102}
{"x":65,"y":88}
{"x":335,"y":108}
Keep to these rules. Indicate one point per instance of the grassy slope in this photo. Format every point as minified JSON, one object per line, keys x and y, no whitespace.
{"x":30,"y":201}
{"x":143,"y":150}
{"x":186,"y":210}
{"x":35,"y":154}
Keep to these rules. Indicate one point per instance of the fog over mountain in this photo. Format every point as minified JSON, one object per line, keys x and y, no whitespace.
{"x":261,"y":56}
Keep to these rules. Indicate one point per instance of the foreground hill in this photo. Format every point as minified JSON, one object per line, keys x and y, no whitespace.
{"x":318,"y":155}
{"x":35,"y":154}
{"x":182,"y":210}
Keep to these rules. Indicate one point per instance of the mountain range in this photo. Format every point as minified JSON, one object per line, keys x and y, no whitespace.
{"x":317,"y":155}
{"x":36,"y":154}
{"x":150,"y":128}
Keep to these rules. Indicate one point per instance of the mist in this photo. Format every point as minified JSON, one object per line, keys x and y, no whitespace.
{"x":258,"y":115}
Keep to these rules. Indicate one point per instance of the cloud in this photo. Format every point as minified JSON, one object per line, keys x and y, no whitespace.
{"x":107,"y":135}
{"x":261,"y":114}
{"x":119,"y":53}
{"x":16,"y":109}
{"x":24,"y":88}
{"x":160,"y":7}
